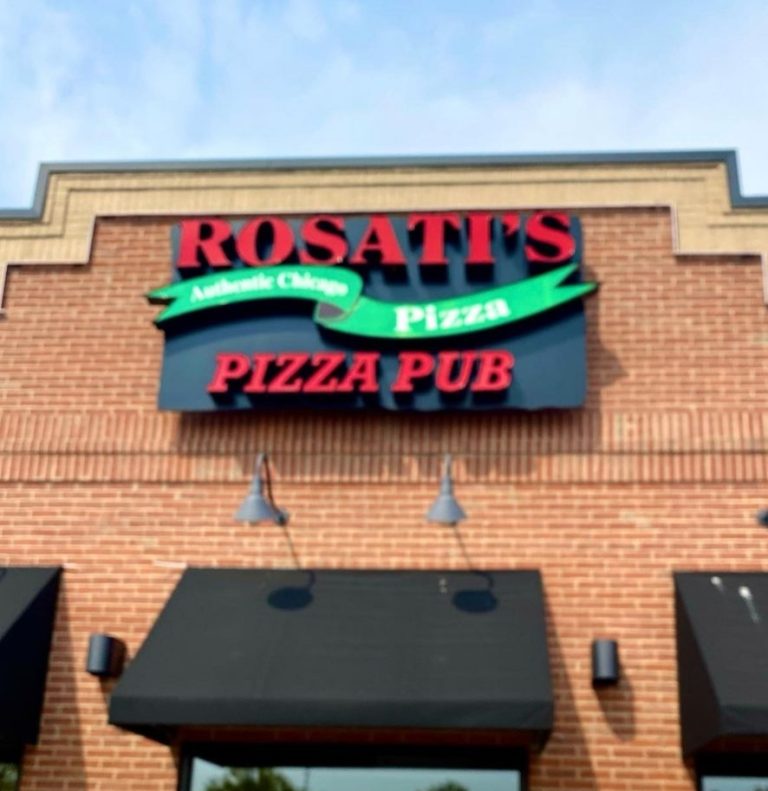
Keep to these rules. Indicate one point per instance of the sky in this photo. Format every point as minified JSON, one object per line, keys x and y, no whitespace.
{"x":90,"y":80}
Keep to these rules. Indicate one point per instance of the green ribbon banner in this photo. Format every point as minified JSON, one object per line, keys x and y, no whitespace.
{"x":343,"y":307}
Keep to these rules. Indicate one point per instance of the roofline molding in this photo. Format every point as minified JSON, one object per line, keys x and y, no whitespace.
{"x":727,"y":157}
{"x":701,"y":190}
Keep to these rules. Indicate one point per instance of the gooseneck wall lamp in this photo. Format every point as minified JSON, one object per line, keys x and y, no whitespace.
{"x":259,"y":505}
{"x":446,"y":509}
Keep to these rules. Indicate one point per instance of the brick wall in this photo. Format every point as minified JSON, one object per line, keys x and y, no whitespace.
{"x":663,"y":469}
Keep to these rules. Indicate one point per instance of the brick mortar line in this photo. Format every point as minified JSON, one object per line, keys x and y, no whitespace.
{"x":703,"y":432}
{"x":678,"y":468}
{"x":461,"y":456}
{"x":314,"y":481}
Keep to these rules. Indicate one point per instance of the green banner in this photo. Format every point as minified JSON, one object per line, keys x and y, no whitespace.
{"x":343,"y":307}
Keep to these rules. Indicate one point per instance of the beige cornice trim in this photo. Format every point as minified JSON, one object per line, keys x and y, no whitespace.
{"x":701,"y":191}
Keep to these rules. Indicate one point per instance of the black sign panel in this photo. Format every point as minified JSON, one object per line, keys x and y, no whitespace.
{"x":422,"y":311}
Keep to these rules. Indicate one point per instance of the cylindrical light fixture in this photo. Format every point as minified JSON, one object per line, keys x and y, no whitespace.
{"x":106,"y":655}
{"x":606,"y":670}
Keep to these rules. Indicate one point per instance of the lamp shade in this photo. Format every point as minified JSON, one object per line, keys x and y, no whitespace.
{"x":446,"y":509}
{"x":256,"y":507}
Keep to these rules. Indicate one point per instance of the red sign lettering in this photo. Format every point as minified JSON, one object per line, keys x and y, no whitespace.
{"x":435,"y":228}
{"x":495,"y":371}
{"x":202,"y":242}
{"x":229,"y":368}
{"x":332,"y":372}
{"x":548,"y":239}
{"x":321,"y":239}
{"x":379,"y":244}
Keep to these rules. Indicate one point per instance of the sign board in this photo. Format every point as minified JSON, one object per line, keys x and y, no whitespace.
{"x":425,"y":311}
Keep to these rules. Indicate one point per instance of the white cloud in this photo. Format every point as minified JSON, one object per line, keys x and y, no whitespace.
{"x":184,"y":78}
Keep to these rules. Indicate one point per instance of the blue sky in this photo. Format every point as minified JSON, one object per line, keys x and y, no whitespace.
{"x":96,"y":80}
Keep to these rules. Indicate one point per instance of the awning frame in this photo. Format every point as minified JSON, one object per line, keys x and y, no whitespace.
{"x":454,"y":634}
{"x":722,"y":644}
{"x":28,"y":598}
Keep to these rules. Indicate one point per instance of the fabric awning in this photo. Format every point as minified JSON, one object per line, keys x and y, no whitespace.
{"x":402,"y":649}
{"x":722,"y":657}
{"x":27,"y":610}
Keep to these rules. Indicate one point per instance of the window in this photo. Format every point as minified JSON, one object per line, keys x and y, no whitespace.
{"x":345,"y":769}
{"x":207,"y":776}
{"x":733,"y":772}
{"x":9,"y":776}
{"x":724,"y":783}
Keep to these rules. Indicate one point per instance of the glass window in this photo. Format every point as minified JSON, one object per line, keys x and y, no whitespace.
{"x":734,"y":783}
{"x":9,"y":776}
{"x":208,"y":776}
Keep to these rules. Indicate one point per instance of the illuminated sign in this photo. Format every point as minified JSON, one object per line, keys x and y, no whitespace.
{"x":420,"y":311}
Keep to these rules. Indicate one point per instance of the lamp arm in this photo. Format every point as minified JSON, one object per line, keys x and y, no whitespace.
{"x":447,"y":463}
{"x":268,"y":480}
{"x":261,"y":459}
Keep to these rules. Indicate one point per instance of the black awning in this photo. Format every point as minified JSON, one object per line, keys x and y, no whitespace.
{"x":27,"y":610}
{"x":404,"y":649}
{"x":722,"y":657}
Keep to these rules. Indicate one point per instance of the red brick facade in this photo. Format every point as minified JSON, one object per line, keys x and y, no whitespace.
{"x":663,"y":469}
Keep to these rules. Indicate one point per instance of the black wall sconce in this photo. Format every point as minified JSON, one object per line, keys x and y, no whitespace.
{"x":761,"y":517}
{"x":606,"y":670}
{"x":106,"y":655}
